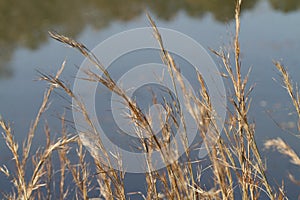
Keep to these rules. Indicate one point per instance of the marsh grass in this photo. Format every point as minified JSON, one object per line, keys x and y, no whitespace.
{"x":279,"y":144}
{"x":236,"y":165}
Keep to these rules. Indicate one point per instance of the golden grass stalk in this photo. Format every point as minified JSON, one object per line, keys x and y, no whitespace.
{"x":242,"y":155}
{"x":236,"y":162}
{"x":288,"y":84}
{"x":26,"y":188}
{"x":278,"y":144}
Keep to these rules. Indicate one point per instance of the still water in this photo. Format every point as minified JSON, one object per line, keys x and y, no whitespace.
{"x":270,"y":31}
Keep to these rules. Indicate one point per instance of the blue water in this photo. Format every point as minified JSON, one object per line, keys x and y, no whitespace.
{"x":266,"y":34}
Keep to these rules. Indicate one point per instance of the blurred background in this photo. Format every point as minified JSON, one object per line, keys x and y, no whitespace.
{"x":270,"y":30}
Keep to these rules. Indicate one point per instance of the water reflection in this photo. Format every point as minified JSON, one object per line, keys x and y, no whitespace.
{"x":264,"y":37}
{"x":25,"y":23}
{"x":286,"y":5}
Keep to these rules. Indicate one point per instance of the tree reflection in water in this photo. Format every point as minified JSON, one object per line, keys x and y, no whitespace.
{"x":25,"y":23}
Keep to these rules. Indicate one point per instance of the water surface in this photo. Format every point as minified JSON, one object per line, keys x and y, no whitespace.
{"x":270,"y":30}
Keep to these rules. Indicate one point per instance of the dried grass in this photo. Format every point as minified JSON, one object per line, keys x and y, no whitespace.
{"x":278,"y":144}
{"x":235,"y":161}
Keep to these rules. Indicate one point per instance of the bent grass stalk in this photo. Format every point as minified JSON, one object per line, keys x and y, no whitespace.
{"x":235,"y":161}
{"x":280,"y":145}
